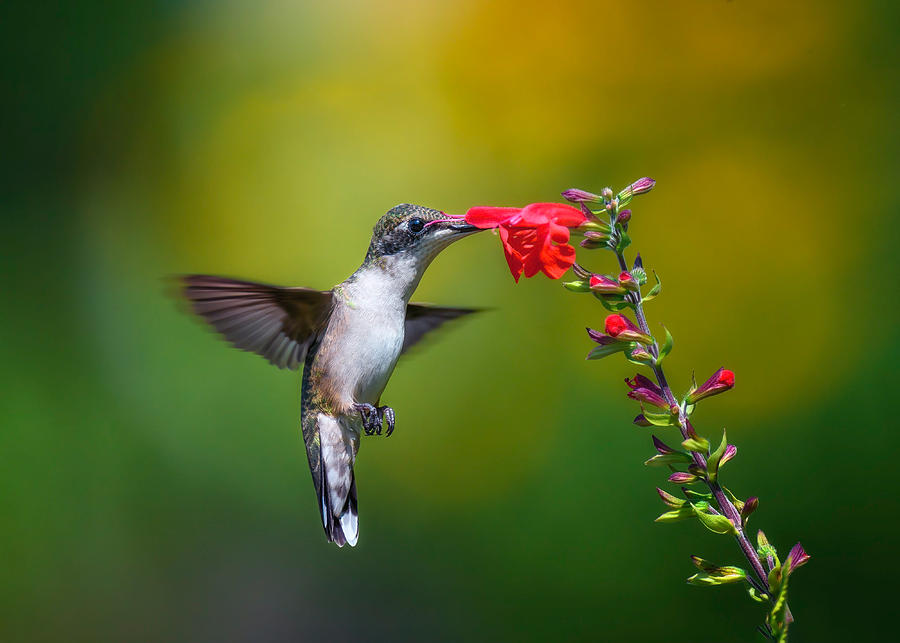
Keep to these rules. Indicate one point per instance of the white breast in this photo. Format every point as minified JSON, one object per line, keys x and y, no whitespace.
{"x":371,"y":319}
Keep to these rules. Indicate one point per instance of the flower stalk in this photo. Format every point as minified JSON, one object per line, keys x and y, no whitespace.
{"x":535,"y":239}
{"x":720,"y":511}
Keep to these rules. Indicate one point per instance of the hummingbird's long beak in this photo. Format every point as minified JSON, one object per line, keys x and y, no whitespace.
{"x":462,"y":226}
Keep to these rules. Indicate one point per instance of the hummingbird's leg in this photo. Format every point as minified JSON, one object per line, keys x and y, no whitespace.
{"x":386,"y":414}
{"x":370,"y":418}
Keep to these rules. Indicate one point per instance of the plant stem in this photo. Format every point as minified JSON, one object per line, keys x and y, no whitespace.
{"x":726,"y":507}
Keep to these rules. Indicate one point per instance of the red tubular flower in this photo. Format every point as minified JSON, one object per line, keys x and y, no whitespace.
{"x":535,"y":238}
{"x":624,"y":330}
{"x":722,"y":380}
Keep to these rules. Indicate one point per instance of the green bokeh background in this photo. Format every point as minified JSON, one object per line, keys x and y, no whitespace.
{"x":152,"y":483}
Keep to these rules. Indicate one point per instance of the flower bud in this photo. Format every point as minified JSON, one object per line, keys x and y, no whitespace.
{"x":639,"y":381}
{"x":641,"y":420}
{"x":592,"y":244}
{"x":720,"y":381}
{"x":730,"y":452}
{"x":640,"y":354}
{"x":661,"y":447}
{"x":626,"y":280}
{"x":680,"y":477}
{"x":623,"y":329}
{"x":580,"y":272}
{"x":599,"y":337}
{"x":765,"y":549}
{"x":641,"y":186}
{"x":749,"y":507}
{"x":795,"y":558}
{"x":647,"y":396}
{"x":607,"y":193}
{"x":605,"y":285}
{"x":580,"y":196}
{"x":669,"y":499}
{"x":623,"y":216}
{"x":596,"y":235}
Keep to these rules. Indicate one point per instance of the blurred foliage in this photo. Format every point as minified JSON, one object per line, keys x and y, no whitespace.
{"x":153,"y":483}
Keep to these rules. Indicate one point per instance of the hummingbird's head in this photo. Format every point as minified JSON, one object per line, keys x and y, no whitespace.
{"x":410,"y":236}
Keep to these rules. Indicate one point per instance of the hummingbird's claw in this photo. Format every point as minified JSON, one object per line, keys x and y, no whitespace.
{"x":387,"y":414}
{"x":373,"y":418}
{"x":369,"y":415}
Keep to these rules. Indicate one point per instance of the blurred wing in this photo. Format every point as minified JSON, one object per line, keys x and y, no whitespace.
{"x":422,"y":318}
{"x":277,"y":323}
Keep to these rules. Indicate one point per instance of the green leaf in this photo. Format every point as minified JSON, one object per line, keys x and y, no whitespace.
{"x":712,"y":464}
{"x":612,"y":305}
{"x":655,"y":290}
{"x":666,"y":347}
{"x":716,"y":524}
{"x":639,"y":362}
{"x":577,"y":286}
{"x":718,"y":576}
{"x":700,"y":445}
{"x":602,"y":351}
{"x":682,"y":513}
{"x":663,"y":459}
{"x":757,"y":596}
{"x":660,"y":419}
{"x":669,"y":499}
{"x":690,"y":493}
{"x":765,"y":549}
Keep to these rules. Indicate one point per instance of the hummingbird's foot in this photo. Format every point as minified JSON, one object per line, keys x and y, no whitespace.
{"x":371,"y":418}
{"x":386,"y":414}
{"x":374,"y":417}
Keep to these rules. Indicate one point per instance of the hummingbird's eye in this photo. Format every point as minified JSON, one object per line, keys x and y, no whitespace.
{"x":416,"y":225}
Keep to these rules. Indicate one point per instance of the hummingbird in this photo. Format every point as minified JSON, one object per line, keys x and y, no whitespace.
{"x":347,"y":340}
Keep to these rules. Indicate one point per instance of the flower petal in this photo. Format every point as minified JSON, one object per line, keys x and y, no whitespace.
{"x":540,"y":213}
{"x":490,"y":217}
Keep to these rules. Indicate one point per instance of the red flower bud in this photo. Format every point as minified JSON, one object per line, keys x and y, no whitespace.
{"x":623,"y":329}
{"x":627,"y":280}
{"x":623,"y":216}
{"x":603,"y":284}
{"x":722,"y":380}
